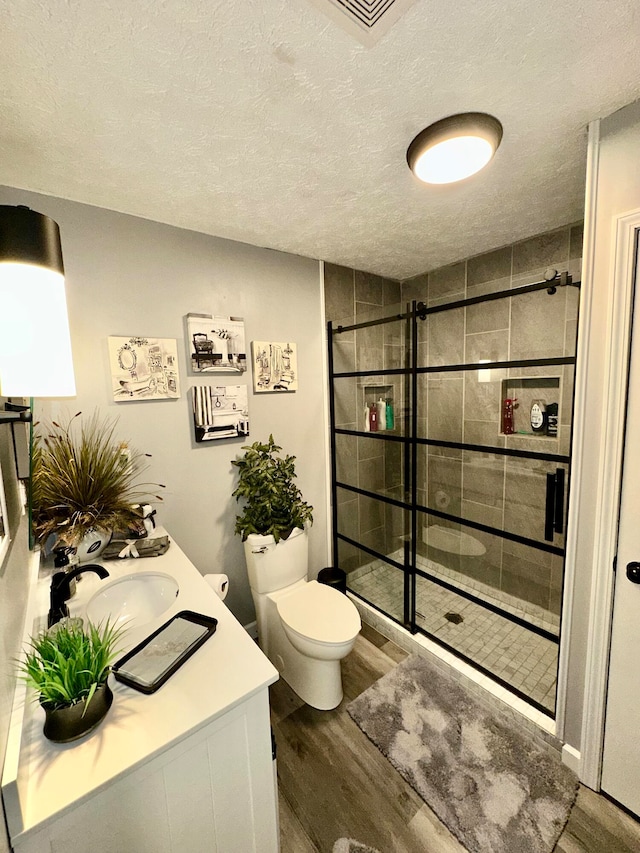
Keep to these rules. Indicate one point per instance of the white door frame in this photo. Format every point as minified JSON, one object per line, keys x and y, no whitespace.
{"x":572,"y":756}
{"x":616,"y":367}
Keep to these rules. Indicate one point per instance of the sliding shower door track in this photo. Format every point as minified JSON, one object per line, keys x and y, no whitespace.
{"x":454,"y":368}
{"x":422,"y":311}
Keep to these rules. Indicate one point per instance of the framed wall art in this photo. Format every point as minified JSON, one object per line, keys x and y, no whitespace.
{"x":216,"y":344}
{"x":275,"y":366}
{"x":220,"y":411}
{"x":144,"y":368}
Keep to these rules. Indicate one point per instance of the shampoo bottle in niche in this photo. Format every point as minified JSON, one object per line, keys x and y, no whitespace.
{"x":507,"y":415}
{"x":381,"y":409}
{"x":373,"y":418}
{"x":367,"y":416}
{"x":389,"y":414}
{"x":552,"y":419}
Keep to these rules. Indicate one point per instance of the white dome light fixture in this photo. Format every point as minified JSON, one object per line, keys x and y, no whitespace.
{"x":454,"y":148}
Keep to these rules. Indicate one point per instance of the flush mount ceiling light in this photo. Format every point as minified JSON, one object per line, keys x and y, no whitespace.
{"x":454,"y":147}
{"x":35,"y":344}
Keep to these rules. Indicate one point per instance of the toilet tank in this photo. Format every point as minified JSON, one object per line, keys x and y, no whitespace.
{"x":270,"y":566}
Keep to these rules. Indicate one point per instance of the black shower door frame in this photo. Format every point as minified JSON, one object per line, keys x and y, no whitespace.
{"x":556,"y":509}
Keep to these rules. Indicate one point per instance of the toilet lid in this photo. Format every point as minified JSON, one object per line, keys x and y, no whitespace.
{"x":321,"y":613}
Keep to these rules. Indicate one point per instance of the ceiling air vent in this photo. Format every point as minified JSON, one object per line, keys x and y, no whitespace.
{"x":367,"y":20}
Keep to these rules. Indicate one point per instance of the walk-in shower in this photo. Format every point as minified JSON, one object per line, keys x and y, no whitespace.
{"x":449,"y":513}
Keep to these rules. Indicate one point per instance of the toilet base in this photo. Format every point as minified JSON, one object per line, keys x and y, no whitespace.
{"x":317,"y":682}
{"x":321,"y":688}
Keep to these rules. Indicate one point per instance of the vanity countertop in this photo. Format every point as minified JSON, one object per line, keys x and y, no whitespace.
{"x":42,"y":779}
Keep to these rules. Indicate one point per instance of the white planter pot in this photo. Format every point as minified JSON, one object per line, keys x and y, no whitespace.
{"x":92,"y":545}
{"x":270,"y":566}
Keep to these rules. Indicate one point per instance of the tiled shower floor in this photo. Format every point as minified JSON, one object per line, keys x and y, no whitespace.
{"x":519,"y":657}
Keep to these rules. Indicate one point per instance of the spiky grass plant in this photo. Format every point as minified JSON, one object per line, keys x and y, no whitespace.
{"x":84,"y":479}
{"x":69,"y":663}
{"x":273,"y":502}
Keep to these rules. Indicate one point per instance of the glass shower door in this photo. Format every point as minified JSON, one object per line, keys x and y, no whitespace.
{"x":452,"y":521}
{"x":493,"y":433}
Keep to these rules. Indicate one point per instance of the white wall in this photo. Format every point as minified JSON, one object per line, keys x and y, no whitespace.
{"x":129,"y":276}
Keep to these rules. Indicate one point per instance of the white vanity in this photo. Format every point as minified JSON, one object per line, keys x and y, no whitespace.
{"x":187,"y":769}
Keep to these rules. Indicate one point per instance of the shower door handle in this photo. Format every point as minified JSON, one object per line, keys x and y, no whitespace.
{"x":549,"y":509}
{"x":554,"y":505}
{"x":558,"y":520}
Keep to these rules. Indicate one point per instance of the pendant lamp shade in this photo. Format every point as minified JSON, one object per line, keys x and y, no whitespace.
{"x":35,"y":344}
{"x":454,"y":148}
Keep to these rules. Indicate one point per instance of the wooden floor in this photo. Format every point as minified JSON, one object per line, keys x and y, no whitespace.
{"x":334,"y":783}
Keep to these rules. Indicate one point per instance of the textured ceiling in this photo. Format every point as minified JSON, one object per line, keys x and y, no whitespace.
{"x":265,"y":122}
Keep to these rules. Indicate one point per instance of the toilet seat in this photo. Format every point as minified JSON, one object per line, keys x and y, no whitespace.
{"x":321,"y":613}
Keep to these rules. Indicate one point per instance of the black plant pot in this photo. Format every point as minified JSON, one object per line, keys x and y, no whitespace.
{"x":66,"y":724}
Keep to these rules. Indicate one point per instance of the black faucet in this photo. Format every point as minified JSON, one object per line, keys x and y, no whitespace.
{"x":61,"y":590}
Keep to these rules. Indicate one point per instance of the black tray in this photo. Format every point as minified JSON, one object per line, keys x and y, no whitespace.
{"x":155,"y":659}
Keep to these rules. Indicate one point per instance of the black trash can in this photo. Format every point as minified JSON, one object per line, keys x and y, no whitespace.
{"x":333,"y":577}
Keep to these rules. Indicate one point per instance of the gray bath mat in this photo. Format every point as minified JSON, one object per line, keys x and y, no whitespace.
{"x":494,"y":787}
{"x":348,"y":845}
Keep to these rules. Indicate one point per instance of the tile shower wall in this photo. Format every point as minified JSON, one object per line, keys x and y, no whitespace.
{"x":460,"y":407}
{"x":356,"y":296}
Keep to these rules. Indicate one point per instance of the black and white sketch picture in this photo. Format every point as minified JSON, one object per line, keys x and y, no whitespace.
{"x":220,"y":411}
{"x":144,"y":368}
{"x":275,"y":366}
{"x":216,"y":344}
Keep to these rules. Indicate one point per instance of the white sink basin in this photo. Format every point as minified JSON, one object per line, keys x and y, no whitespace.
{"x":134,"y":599}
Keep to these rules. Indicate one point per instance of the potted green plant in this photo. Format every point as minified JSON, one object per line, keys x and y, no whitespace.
{"x":273,"y":504}
{"x":274,"y":519}
{"x":68,"y":666}
{"x":84,"y":483}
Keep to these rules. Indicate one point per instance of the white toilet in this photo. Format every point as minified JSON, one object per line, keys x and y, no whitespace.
{"x":304,"y":627}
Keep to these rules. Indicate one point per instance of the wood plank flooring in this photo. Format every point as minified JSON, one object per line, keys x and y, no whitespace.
{"x":334,"y":783}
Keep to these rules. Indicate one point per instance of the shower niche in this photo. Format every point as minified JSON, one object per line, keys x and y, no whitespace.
{"x":546,"y":392}
{"x":373,"y":394}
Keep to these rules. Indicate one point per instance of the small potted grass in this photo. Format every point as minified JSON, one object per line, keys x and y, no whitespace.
{"x":68,"y":666}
